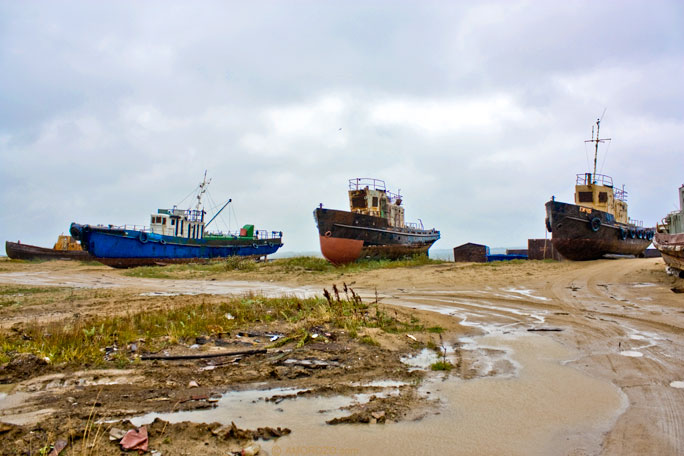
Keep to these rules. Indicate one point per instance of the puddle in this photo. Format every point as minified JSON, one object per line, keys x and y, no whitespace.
{"x":526,"y":293}
{"x":274,"y":407}
{"x":422,"y":360}
{"x":677,"y":384}
{"x":380,"y":384}
{"x":632,"y":353}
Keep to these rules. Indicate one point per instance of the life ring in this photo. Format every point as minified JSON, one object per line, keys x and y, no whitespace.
{"x":622,"y":233}
{"x":142,"y":237}
{"x":595,"y":224}
{"x":328,"y":234}
{"x":162,"y":241}
{"x":255,"y":245}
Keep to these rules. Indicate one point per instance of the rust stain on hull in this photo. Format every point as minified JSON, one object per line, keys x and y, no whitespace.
{"x":340,"y":251}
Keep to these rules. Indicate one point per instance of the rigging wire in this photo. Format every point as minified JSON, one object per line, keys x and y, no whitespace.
{"x":215,"y":206}
{"x":605,"y":155}
{"x":194,"y":190}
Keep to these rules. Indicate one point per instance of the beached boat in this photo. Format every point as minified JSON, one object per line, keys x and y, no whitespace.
{"x":174,"y":236}
{"x":669,"y":237}
{"x":374,"y":228}
{"x":66,"y":248}
{"x":597,"y":224}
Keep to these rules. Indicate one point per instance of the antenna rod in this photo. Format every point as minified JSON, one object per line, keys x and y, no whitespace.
{"x":212,"y":219}
{"x":598,"y":125}
{"x":596,"y":141}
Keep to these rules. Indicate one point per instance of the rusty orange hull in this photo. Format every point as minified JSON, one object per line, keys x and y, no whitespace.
{"x":346,"y":237}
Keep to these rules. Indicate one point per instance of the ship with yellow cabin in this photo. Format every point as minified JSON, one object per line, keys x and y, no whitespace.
{"x":598,"y":223}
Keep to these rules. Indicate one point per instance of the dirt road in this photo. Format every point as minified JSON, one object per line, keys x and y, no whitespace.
{"x":620,"y":324}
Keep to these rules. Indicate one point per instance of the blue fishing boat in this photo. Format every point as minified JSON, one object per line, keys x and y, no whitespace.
{"x":174,"y":236}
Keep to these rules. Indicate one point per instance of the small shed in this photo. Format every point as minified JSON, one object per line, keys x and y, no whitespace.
{"x":471,"y":253}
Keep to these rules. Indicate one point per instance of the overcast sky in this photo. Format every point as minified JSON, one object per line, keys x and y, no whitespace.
{"x":477,"y":111}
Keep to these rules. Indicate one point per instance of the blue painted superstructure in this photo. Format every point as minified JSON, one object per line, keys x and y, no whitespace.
{"x":174,"y":236}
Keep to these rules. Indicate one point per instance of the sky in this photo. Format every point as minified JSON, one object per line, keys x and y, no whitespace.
{"x":476,"y":111}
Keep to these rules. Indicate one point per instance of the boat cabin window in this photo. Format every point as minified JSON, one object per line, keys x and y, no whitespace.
{"x":375,"y":201}
{"x":359,"y":200}
{"x":173,"y":222}
{"x":603,"y":197}
{"x":586,"y":197}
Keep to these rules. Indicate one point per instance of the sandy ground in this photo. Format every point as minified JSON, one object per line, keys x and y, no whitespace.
{"x":552,"y":358}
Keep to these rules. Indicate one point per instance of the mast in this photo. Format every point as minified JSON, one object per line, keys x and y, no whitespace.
{"x":596,"y":142}
{"x":202,"y":190}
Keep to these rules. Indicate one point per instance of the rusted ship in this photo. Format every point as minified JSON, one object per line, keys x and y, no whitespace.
{"x":373,"y":228}
{"x":669,"y":238}
{"x":597,"y":224}
{"x":66,"y":248}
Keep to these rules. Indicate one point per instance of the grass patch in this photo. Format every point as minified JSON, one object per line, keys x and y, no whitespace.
{"x":193,"y":270}
{"x":441,"y":366}
{"x":20,"y":295}
{"x":91,"y":342}
{"x":13,"y":291}
{"x":368,"y":340}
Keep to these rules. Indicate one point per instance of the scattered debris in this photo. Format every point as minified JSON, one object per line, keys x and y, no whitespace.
{"x":251,"y":450}
{"x":311,"y":363}
{"x":135,"y":439}
{"x":193,"y":384}
{"x":201,"y":356}
{"x":116,"y":434}
{"x":544,"y":329}
{"x":58,"y":447}
{"x":201,"y":340}
{"x":411,"y":337}
{"x":264,"y":433}
{"x":195,"y":398}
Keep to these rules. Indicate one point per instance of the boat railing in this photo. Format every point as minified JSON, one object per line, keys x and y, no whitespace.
{"x":192,"y":215}
{"x":415,"y":226}
{"x":589,"y":178}
{"x":620,"y":194}
{"x":371,"y":183}
{"x":638,"y":223}
{"x":127,"y":227}
{"x":264,"y":234}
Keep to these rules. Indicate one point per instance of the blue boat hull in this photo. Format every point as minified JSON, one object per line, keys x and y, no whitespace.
{"x":130,"y":248}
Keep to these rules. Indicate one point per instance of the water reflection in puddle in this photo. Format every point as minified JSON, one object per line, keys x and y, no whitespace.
{"x":274,"y":407}
{"x":422,"y":360}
